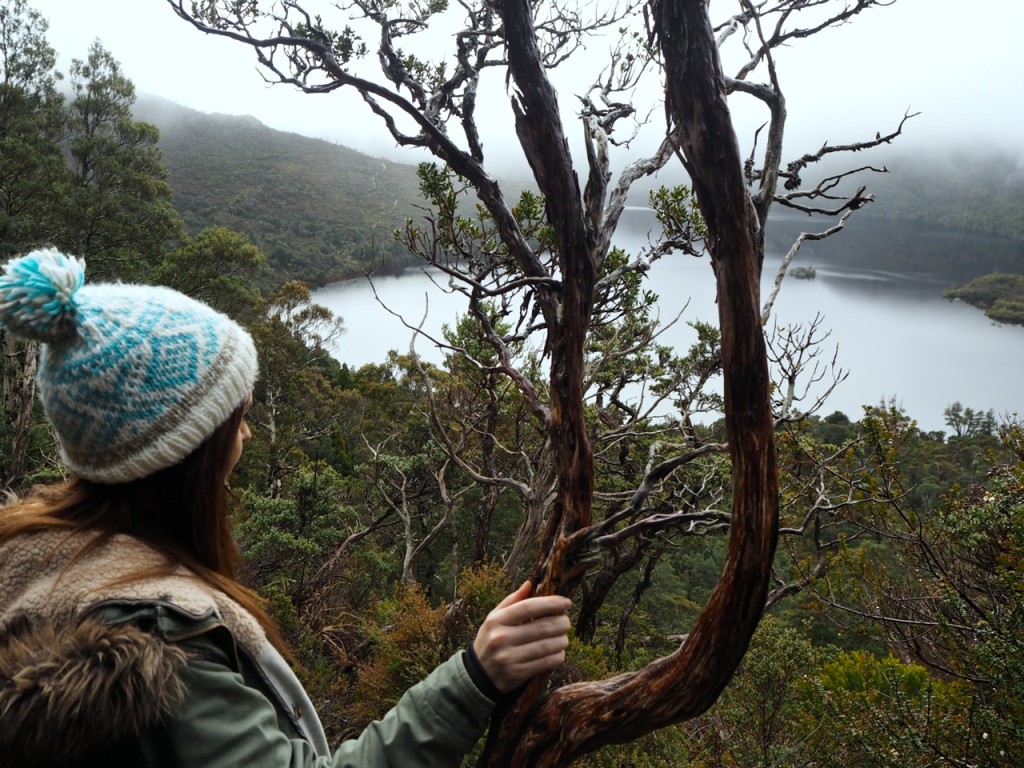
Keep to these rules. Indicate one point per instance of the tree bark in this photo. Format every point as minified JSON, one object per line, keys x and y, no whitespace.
{"x":576,"y":719}
{"x":20,"y":363}
{"x":540,"y":132}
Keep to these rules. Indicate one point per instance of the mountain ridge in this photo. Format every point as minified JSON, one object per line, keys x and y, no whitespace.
{"x":323,"y":212}
{"x":305,"y":202}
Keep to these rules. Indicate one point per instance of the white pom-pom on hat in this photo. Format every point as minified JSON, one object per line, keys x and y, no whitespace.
{"x":37,"y":295}
{"x":131,"y":377}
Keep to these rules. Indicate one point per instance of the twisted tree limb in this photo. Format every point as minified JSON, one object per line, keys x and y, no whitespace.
{"x":553,"y":729}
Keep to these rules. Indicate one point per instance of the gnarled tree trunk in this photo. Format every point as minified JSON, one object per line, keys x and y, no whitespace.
{"x":551,"y":729}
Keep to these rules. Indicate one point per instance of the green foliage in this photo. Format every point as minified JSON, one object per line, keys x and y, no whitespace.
{"x":966,"y":422}
{"x":794,"y":704}
{"x":883,"y":712}
{"x":1001,"y":296}
{"x":659,"y":749}
{"x":481,"y":587}
{"x":968,"y":188}
{"x":307,"y":645}
{"x":685,"y":580}
{"x":980,"y":611}
{"x":769,"y":711}
{"x":344,"y":45}
{"x":287,"y":537}
{"x":408,"y":637}
{"x":218,"y":266}
{"x":466,"y":232}
{"x":297,"y":405}
{"x":985,"y":291}
{"x":679,"y":216}
{"x":320,"y":212}
{"x":117,"y":204}
{"x":938,"y":575}
{"x":1007,"y":311}
{"x":32,"y":167}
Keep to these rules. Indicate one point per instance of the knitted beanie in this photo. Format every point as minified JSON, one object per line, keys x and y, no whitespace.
{"x":133,"y":378}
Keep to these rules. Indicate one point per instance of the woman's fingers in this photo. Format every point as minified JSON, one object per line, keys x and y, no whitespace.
{"x":524,"y":591}
{"x":523,"y":637}
{"x":530,"y":609}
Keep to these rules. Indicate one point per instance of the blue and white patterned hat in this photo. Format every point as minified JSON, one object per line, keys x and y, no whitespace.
{"x":133,"y":378}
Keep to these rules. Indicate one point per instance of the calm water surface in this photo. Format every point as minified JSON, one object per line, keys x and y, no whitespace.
{"x":894,"y":333}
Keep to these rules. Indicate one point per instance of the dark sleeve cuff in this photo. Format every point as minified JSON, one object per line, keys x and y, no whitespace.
{"x":480,"y":677}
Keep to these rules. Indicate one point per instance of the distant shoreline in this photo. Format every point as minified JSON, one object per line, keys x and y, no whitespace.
{"x":1000,"y":296}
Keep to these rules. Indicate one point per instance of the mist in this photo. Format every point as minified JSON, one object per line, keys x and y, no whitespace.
{"x":844,"y":85}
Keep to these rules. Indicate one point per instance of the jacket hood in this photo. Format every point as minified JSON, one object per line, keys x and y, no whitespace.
{"x":65,"y":692}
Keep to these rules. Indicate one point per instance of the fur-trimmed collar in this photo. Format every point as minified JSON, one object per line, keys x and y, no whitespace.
{"x":69,"y":683}
{"x":56,"y":577}
{"x":65,"y":693}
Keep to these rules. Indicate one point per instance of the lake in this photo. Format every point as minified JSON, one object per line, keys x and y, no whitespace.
{"x":892,"y":331}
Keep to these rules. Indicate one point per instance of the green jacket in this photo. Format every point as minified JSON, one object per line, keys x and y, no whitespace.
{"x":140,"y":680}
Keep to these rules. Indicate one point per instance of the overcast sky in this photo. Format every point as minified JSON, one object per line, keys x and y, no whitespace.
{"x":958,"y":64}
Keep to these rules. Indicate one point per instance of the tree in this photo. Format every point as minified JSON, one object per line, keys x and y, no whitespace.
{"x":966,"y":422}
{"x":293,"y":404}
{"x":546,"y":272}
{"x":78,"y":174}
{"x":217,"y":266}
{"x":30,"y":174}
{"x":941,"y":583}
{"x":30,"y":126}
{"x":117,"y":210}
{"x":769,"y":711}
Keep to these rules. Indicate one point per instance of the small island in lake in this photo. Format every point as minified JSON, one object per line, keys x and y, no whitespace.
{"x":1001,"y":296}
{"x":803,"y":273}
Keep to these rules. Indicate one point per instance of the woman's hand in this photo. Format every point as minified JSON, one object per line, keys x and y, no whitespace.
{"x":524,"y":636}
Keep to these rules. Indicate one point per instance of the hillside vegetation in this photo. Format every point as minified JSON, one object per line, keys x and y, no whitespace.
{"x":319,"y":211}
{"x":1001,"y":296}
{"x":969,"y":189}
{"x":957,"y":214}
{"x":323,"y":212}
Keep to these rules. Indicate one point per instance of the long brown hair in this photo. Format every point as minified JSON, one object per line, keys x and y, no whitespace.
{"x":180,"y":511}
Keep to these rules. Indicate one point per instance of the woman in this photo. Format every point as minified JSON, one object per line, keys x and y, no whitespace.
{"x":124,"y":637}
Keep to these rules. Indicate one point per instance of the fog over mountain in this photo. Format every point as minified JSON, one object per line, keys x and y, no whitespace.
{"x":324,"y":212}
{"x":957,"y":68}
